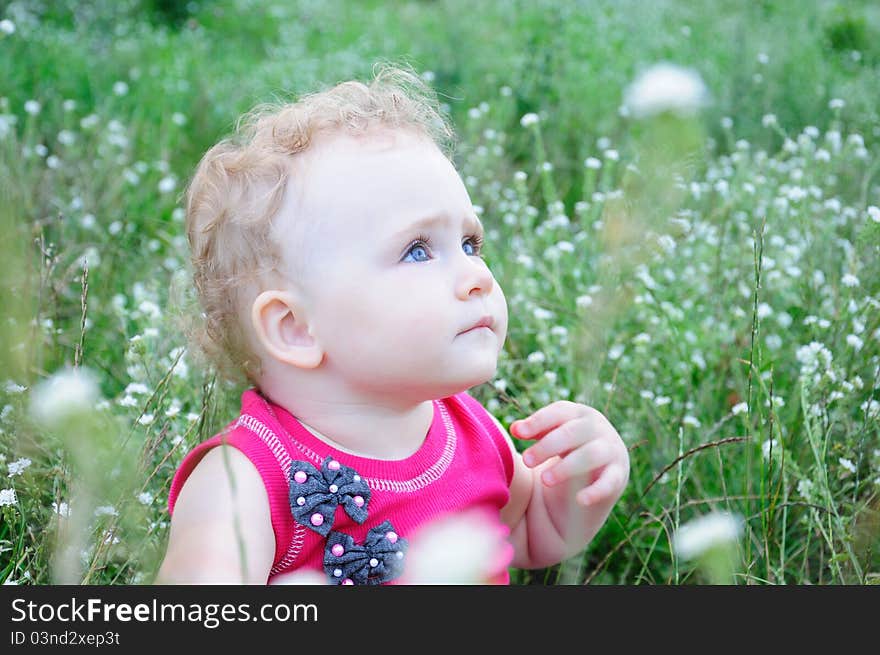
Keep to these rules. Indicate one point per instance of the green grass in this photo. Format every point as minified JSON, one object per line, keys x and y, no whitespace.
{"x":666,"y":312}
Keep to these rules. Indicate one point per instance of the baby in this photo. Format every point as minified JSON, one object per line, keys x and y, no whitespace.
{"x":337,"y":259}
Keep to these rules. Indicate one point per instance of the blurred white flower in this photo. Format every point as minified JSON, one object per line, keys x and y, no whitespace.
{"x":145,"y":498}
{"x":61,"y":509}
{"x":812,"y":356}
{"x":18,"y":466}
{"x":542,"y":314}
{"x":167,"y":184}
{"x":8,"y":497}
{"x":769,"y":120}
{"x":847,"y":464}
{"x":32,"y":107}
{"x":458,"y":549}
{"x":836,"y":103}
{"x":666,"y":87}
{"x":536,"y":357}
{"x":739,"y":408}
{"x":615,"y":352}
{"x":805,"y":489}
{"x":769,"y":447}
{"x":12,"y":387}
{"x":592,"y":162}
{"x":7,"y":26}
{"x":874,"y":213}
{"x":106,"y":510}
{"x":120,"y":88}
{"x":854,"y":341}
{"x":529,"y":119}
{"x":704,"y":533}
{"x":849,"y":280}
{"x":64,"y":394}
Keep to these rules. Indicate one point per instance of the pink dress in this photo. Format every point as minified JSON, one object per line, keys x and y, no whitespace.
{"x":351,"y":517}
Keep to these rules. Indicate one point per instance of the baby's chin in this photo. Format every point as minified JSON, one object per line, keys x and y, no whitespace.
{"x":473,"y":377}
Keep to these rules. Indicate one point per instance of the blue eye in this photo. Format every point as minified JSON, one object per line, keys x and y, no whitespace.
{"x":473,"y":246}
{"x":417,"y":252}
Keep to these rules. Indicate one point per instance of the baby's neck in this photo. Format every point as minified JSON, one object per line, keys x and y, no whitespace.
{"x":364,"y":429}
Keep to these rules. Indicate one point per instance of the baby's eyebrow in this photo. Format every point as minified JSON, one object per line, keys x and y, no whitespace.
{"x":470,"y":223}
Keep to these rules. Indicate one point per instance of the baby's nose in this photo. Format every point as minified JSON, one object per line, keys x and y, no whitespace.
{"x":475,"y":278}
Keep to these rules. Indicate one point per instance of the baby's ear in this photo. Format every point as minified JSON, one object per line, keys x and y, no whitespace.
{"x":281,"y":325}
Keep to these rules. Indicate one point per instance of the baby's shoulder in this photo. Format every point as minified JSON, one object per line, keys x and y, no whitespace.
{"x":223,"y":479}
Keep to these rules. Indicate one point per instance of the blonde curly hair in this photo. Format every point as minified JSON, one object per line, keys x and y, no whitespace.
{"x":239,"y":183}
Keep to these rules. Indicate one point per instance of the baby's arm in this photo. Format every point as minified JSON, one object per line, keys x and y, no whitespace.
{"x":551,"y":522}
{"x":205,"y":545}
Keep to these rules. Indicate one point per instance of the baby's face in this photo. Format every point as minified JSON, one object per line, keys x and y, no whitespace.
{"x":393,"y":281}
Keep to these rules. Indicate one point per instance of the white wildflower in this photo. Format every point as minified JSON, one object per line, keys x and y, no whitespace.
{"x":106,"y":510}
{"x":18,"y":466}
{"x":583,"y":301}
{"x":542,"y":314}
{"x":12,"y":387}
{"x":146,"y":419}
{"x":7,"y":26}
{"x":847,"y":464}
{"x":536,"y":357}
{"x":120,"y":88}
{"x":137,"y":387}
{"x":64,"y":394}
{"x":739,"y":408}
{"x":529,"y":119}
{"x":706,"y":532}
{"x":167,"y":184}
{"x":593,"y":163}
{"x":692,"y":421}
{"x":769,"y":120}
{"x":764,"y":310}
{"x":8,"y":497}
{"x":660,"y":401}
{"x":145,"y":498}
{"x":462,"y":548}
{"x":62,"y":509}
{"x":615,"y":352}
{"x":874,"y":213}
{"x":805,"y":489}
{"x":855,"y":342}
{"x":666,"y":87}
{"x":836,"y":103}
{"x":849,"y":280}
{"x":769,"y":447}
{"x":32,"y":107}
{"x":812,"y":356}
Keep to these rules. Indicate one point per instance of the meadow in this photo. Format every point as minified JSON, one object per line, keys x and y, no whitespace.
{"x":710,"y":281}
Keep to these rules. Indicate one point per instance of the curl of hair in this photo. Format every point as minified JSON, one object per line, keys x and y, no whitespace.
{"x":239,"y":183}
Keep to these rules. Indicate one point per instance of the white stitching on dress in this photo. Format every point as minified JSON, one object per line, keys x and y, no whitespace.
{"x":398,"y":486}
{"x":268,"y":437}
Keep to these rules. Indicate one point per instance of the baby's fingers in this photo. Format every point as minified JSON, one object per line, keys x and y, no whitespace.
{"x":579,"y":462}
{"x":560,"y":441}
{"x":608,"y":485}
{"x":547,"y":418}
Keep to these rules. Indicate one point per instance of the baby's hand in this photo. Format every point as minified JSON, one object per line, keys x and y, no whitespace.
{"x":592,"y":454}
